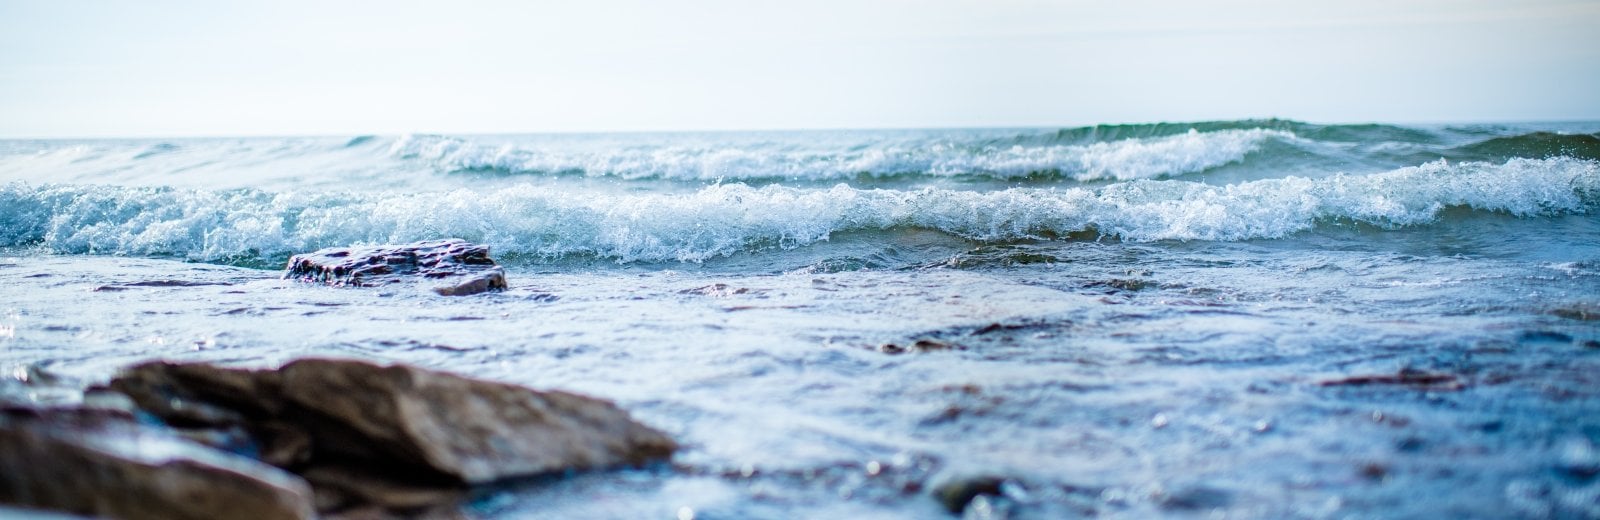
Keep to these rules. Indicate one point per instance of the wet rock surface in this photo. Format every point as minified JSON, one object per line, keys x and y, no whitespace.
{"x":104,"y":464}
{"x":361,"y":439}
{"x":1406,"y":377}
{"x":923,"y":345}
{"x":454,"y":267}
{"x":957,"y":493}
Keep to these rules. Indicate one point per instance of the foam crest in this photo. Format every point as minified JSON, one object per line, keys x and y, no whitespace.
{"x":725,"y":219}
{"x":1125,"y":159}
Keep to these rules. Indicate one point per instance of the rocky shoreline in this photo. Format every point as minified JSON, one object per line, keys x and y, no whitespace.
{"x":337,"y":438}
{"x":316,"y":437}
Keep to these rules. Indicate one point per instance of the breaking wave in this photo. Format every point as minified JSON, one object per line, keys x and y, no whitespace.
{"x":724,"y":219}
{"x":1126,"y":159}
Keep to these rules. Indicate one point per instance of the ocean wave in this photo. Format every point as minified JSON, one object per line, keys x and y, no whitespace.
{"x":726,"y":219}
{"x":1126,"y":159}
{"x":155,"y":150}
{"x":1356,"y":133}
{"x":1535,"y":145}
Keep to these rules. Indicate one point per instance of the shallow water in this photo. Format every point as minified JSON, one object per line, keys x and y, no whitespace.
{"x":1163,"y":338}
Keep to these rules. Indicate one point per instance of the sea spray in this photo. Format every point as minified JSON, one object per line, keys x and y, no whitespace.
{"x":725,"y":219}
{"x":1123,"y":159}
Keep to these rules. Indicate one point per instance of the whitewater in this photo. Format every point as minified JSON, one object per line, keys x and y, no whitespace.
{"x":1128,"y":321}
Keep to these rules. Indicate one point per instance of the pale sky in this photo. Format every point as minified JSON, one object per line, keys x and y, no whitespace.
{"x":196,"y":68}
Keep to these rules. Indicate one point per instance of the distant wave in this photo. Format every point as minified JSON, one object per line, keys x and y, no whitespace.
{"x":724,"y":219}
{"x":1536,"y":145}
{"x":1225,"y":151}
{"x":155,"y":150}
{"x":1134,"y":158}
{"x":359,"y":140}
{"x":1313,"y":131}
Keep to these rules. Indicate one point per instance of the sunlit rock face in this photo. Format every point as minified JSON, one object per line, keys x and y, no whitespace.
{"x":454,"y":266}
{"x":393,"y":435}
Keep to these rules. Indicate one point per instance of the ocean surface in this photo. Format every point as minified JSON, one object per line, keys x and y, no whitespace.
{"x":1126,"y":321}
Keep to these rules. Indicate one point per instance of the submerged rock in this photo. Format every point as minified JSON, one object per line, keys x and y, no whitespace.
{"x":1578,"y":311}
{"x":958,"y":492}
{"x":1123,"y":284}
{"x":920,"y":346}
{"x":393,"y":435}
{"x":1407,"y":377}
{"x":90,"y":462}
{"x":462,"y":268}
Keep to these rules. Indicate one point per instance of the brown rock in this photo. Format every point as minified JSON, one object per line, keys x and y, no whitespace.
{"x":428,"y":426}
{"x":933,"y":345}
{"x":352,"y":490}
{"x":88,"y":463}
{"x":462,"y":268}
{"x":475,"y":431}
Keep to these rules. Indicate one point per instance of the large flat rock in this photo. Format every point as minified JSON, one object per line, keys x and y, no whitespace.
{"x":427,"y":425}
{"x":477,"y":431}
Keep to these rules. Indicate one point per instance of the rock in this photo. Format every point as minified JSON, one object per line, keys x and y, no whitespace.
{"x":956,"y":493}
{"x":89,"y":462}
{"x":428,"y":427}
{"x":1125,"y":284}
{"x":352,"y":490}
{"x":462,"y":267}
{"x":1410,"y":377}
{"x":198,"y":395}
{"x":987,"y":507}
{"x":995,"y":327}
{"x":1578,"y":311}
{"x":933,"y":345}
{"x":373,"y":441}
{"x":923,"y":345}
{"x":475,"y":431}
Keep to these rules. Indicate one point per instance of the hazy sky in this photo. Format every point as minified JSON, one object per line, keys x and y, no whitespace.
{"x":171,"y":68}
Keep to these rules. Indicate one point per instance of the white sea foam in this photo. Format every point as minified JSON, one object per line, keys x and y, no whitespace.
{"x":1122,"y":160}
{"x":728,"y":218}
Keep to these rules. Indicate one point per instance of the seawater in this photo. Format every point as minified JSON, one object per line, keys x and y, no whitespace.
{"x":1126,"y":320}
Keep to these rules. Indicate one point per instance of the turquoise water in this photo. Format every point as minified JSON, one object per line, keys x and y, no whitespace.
{"x":1126,"y":320}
